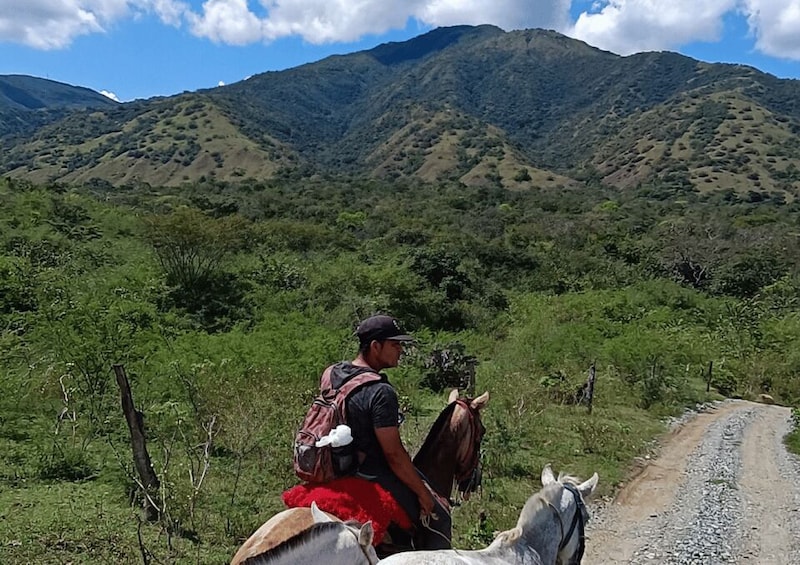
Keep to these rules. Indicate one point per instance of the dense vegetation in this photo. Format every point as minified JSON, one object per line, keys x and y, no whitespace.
{"x":224,"y":302}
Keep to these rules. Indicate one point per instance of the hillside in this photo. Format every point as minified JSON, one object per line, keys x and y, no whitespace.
{"x":26,"y":102}
{"x":474,"y":105}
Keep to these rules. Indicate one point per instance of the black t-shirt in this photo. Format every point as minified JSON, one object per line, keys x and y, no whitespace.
{"x":374,"y":405}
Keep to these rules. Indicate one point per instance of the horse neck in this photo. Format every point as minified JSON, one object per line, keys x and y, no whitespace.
{"x":541,"y":528}
{"x":439,"y":465}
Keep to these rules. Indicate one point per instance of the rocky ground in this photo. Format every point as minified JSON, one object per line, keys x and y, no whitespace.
{"x":721,"y":489}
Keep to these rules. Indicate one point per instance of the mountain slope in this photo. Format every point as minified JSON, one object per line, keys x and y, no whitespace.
{"x":464,"y":104}
{"x":27,"y":102}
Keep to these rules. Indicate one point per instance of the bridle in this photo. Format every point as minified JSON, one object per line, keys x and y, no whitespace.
{"x":578,"y":523}
{"x":470,"y":477}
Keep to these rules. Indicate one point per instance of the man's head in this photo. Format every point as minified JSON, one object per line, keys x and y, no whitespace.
{"x":381,"y":340}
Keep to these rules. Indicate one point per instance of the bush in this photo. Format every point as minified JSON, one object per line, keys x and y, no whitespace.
{"x":66,"y":464}
{"x":450,"y":367}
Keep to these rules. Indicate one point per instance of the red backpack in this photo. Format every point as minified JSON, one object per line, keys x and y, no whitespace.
{"x":323,"y":464}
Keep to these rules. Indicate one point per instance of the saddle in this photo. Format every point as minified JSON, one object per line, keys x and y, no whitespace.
{"x":353,"y":498}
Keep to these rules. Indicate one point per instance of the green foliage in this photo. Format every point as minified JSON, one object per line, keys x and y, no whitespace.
{"x":527,"y":288}
{"x":191,"y":246}
{"x":449,"y":366}
{"x":192,"y":249}
{"x":66,"y":464}
{"x":17,"y":292}
{"x":793,"y":438}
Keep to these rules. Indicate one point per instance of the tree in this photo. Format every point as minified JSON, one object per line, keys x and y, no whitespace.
{"x":191,"y":247}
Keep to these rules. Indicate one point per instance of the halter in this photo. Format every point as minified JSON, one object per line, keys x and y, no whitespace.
{"x":577,"y":522}
{"x":470,"y":478}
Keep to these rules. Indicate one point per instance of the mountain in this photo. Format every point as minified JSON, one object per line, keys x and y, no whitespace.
{"x":475,"y":105}
{"x":27,"y":102}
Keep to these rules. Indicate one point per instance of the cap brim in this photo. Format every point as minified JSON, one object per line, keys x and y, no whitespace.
{"x":402,"y":337}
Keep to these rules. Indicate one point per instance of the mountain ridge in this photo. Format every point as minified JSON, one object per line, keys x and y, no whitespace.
{"x":469,"y":104}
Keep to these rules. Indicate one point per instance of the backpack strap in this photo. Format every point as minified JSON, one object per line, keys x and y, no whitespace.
{"x":339,"y":396}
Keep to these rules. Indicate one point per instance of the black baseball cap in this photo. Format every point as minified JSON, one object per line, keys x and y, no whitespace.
{"x":380,"y":328}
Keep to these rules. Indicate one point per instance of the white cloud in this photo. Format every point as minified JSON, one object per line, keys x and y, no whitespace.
{"x":630,"y":26}
{"x":623,"y":26}
{"x":776,"y":26}
{"x":227,"y":21}
{"x":111,"y":95}
{"x":54,"y":24}
{"x":221,"y":83}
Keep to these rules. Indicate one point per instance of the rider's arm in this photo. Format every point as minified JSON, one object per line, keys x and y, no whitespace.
{"x":402,"y":466}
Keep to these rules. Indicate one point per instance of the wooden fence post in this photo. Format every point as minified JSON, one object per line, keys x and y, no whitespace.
{"x":141,"y":458}
{"x":590,"y":387}
{"x":708,"y":380}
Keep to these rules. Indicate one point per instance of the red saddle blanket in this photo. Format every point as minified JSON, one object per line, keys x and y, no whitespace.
{"x":351,"y":498}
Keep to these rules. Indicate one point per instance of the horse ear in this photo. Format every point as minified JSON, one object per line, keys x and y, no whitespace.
{"x":587,"y":488}
{"x":318,"y":515}
{"x":453,"y":396}
{"x":366,"y":534}
{"x":547,"y":476}
{"x":481,"y":402}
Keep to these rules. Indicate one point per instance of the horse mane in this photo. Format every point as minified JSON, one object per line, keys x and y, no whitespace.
{"x":274,"y":554}
{"x":430,"y":439}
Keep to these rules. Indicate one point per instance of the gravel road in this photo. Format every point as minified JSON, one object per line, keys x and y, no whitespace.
{"x":721,"y":489}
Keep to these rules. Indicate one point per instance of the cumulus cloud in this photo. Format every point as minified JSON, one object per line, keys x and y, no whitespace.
{"x":776,"y":26}
{"x":631,"y":26}
{"x":622,"y":26}
{"x":227,"y":21}
{"x":111,"y":95}
{"x":54,"y":24}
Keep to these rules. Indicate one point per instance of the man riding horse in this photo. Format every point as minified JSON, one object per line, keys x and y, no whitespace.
{"x":373,"y":414}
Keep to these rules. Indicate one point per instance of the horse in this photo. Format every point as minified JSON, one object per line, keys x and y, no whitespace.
{"x":450,"y":454}
{"x":550,"y":531}
{"x":328,"y":539}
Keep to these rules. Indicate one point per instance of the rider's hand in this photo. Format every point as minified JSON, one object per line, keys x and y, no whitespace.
{"x":426,"y":504}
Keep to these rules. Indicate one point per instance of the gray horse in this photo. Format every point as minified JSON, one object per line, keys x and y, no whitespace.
{"x":549,"y":531}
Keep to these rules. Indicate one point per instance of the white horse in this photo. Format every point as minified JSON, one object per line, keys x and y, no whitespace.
{"x":550,"y":531}
{"x":328,"y":541}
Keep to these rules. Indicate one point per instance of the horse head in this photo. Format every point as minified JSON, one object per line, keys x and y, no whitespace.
{"x":571,"y":512}
{"x":466,"y":420}
{"x":451,"y":451}
{"x":363,"y":533}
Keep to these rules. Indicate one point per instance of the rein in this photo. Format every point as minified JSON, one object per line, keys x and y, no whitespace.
{"x":577,"y":523}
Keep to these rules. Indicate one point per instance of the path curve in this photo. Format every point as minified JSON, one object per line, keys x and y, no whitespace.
{"x":722,"y":489}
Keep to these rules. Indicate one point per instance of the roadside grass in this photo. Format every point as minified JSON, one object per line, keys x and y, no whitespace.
{"x":87,"y":522}
{"x":792,"y":439}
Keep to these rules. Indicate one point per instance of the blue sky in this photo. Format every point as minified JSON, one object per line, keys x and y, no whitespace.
{"x":141,"y":48}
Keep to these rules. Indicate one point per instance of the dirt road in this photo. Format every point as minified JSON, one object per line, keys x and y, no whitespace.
{"x":722,"y":489}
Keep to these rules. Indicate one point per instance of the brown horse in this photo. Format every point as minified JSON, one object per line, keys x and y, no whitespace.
{"x":450,"y":454}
